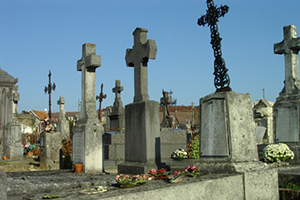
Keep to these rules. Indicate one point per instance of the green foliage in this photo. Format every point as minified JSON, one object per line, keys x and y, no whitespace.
{"x":194,"y":147}
{"x":290,"y":185}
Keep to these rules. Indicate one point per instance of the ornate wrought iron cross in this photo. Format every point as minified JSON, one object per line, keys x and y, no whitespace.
{"x":100,"y":97}
{"x":49,"y":90}
{"x":221,"y":80}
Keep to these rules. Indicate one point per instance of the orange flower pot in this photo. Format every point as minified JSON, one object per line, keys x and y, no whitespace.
{"x":30,"y":153}
{"x":78,"y":168}
{"x":5,"y":158}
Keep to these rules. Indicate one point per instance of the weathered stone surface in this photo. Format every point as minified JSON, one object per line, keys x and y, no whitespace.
{"x":88,"y":151}
{"x":290,"y":47}
{"x":63,"y":125}
{"x":142,"y":129}
{"x":138,"y":57}
{"x":227,"y":127}
{"x":263,"y":116}
{"x":3,"y":185}
{"x":51,"y":144}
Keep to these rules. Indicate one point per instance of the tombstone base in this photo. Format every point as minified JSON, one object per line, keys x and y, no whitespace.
{"x":142,"y":137}
{"x":87,"y":145}
{"x":51,"y":144}
{"x":135,"y":168}
{"x":286,"y":118}
{"x":227,"y":127}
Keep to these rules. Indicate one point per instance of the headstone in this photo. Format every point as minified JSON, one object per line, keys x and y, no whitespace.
{"x":260,"y":131}
{"x":141,"y":116}
{"x":11,"y":143}
{"x":87,"y":133}
{"x":51,"y":144}
{"x":168,"y":120}
{"x":117,"y":115}
{"x":63,"y":122}
{"x":263,"y":117}
{"x":287,"y":106}
{"x":227,"y":127}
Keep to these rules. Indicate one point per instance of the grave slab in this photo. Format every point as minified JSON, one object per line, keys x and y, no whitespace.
{"x":227,"y":127}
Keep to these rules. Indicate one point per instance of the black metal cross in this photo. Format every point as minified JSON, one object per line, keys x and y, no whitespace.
{"x":100,"y":97}
{"x":221,"y":80}
{"x":49,"y":90}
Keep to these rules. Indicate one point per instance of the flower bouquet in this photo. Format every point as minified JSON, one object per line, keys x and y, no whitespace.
{"x":177,"y":177}
{"x":125,"y":181}
{"x":159,"y":174}
{"x":46,"y":125}
{"x":277,"y":153}
{"x":179,"y":154}
{"x":191,"y":170}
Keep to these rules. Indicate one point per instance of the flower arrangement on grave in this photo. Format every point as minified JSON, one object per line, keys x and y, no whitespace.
{"x":47,"y":125}
{"x":179,"y":154}
{"x":277,"y":153}
{"x":125,"y":181}
{"x":193,"y":149}
{"x":177,"y":177}
{"x":159,"y":174}
{"x":29,"y":148}
{"x":191,"y":170}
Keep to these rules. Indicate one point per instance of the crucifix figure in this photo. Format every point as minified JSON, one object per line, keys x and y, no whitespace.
{"x":221,"y":80}
{"x":49,"y":90}
{"x":138,"y":57}
{"x":290,"y":47}
{"x":100,"y":97}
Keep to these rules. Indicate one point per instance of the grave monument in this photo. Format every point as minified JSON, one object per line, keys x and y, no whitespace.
{"x":10,"y":129}
{"x":142,"y":116}
{"x":87,"y":133}
{"x":287,"y":106}
{"x":117,"y":115}
{"x":227,"y":137}
{"x":63,"y":125}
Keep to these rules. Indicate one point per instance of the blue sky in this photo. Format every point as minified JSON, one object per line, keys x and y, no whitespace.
{"x":38,"y":36}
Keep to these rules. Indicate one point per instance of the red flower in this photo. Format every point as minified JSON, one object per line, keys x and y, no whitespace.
{"x":161,"y":171}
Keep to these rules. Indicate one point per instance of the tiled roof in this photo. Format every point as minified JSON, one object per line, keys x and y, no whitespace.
{"x":39,"y":114}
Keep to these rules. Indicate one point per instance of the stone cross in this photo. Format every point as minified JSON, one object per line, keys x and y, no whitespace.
{"x":87,"y":65}
{"x":290,"y":47}
{"x":61,"y":103}
{"x":138,"y":57}
{"x":118,"y":89}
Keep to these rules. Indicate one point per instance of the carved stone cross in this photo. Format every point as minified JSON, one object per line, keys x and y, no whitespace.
{"x":138,"y":57}
{"x":87,"y":65}
{"x":290,"y":47}
{"x":118,"y":89}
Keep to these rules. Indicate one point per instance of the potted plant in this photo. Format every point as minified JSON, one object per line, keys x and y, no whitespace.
{"x":78,"y":167}
{"x":277,"y":153}
{"x":177,"y":177}
{"x":191,"y":170}
{"x":125,"y":181}
{"x":179,"y":154}
{"x":158,"y":174}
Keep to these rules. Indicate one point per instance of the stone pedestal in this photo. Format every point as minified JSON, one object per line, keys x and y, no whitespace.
{"x":14,"y":147}
{"x":87,"y":145}
{"x":142,"y":137}
{"x":51,"y":144}
{"x":286,"y":118}
{"x":227,"y":127}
